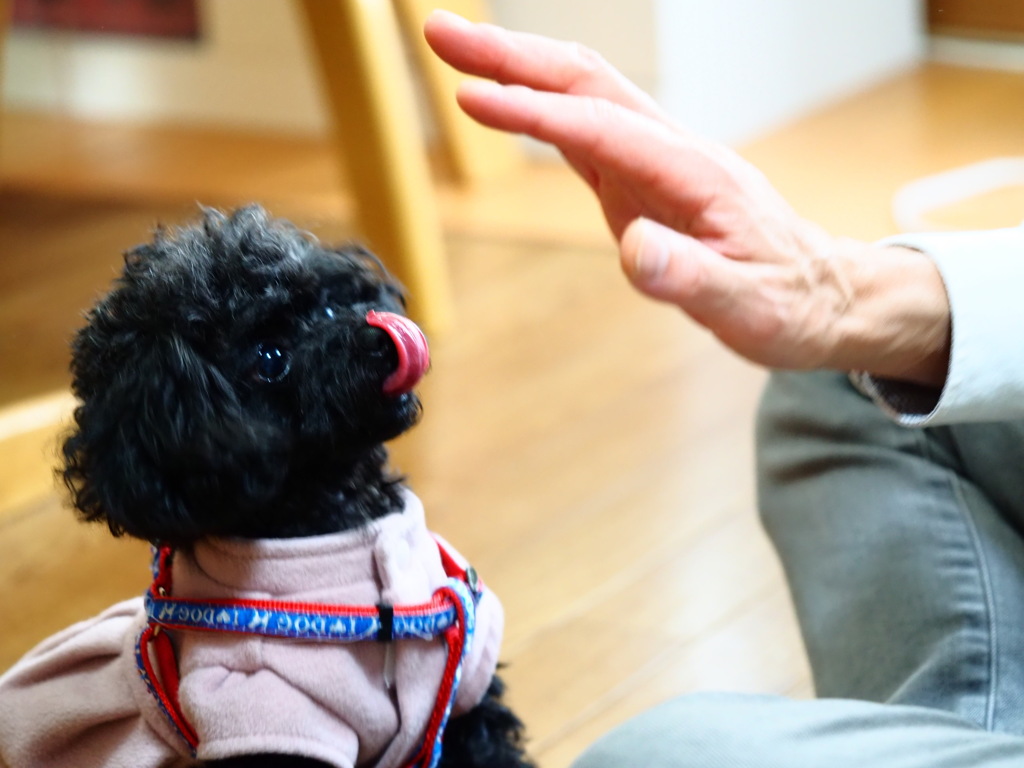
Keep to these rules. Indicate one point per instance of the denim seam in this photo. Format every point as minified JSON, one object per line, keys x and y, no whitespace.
{"x":986,"y":584}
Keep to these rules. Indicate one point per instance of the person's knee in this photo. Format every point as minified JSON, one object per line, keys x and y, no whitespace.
{"x":789,"y":422}
{"x":804,"y":405}
{"x":692,"y":731}
{"x":803,"y":417}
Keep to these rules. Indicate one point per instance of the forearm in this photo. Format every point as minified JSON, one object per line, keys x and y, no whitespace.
{"x":982,"y":273}
{"x":897,"y":323}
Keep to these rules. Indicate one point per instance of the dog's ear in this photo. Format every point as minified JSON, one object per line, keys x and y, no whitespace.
{"x":160,"y":441}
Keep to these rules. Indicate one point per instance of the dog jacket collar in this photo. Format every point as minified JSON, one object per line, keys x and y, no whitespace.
{"x":450,"y":615}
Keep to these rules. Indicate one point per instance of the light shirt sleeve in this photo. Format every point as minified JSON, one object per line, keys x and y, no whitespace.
{"x":983,"y":273}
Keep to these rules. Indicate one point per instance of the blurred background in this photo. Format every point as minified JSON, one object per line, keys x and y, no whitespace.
{"x":590,"y":452}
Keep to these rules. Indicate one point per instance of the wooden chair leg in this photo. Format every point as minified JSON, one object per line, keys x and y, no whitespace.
{"x":472,"y":153}
{"x":5,"y":28}
{"x":380,"y":145}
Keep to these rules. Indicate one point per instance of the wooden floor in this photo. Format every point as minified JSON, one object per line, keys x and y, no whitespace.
{"x":589,"y":451}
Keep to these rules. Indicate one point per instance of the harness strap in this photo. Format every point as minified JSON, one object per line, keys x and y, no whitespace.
{"x":163,"y":685}
{"x":458,"y":646}
{"x":450,"y":614}
{"x":305,"y":621}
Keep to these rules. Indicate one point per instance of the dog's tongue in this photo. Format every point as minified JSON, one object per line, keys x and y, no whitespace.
{"x":411,"y":345}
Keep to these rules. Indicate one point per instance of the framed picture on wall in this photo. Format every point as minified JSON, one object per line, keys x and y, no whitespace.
{"x":148,"y":18}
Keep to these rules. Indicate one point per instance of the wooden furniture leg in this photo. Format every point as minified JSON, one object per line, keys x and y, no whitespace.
{"x":5,"y":29}
{"x":380,"y":145}
{"x":471,"y":152}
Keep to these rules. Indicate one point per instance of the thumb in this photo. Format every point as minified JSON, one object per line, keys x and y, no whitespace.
{"x":677,"y":269}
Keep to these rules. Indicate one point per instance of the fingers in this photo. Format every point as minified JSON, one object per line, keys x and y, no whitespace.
{"x":674,"y":268}
{"x":588,"y":126}
{"x":533,"y":61}
{"x":757,"y":310}
{"x":572,"y":124}
{"x":569,"y":122}
{"x":671,"y":174}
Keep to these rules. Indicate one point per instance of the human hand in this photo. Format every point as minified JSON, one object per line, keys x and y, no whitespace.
{"x":697,"y":225}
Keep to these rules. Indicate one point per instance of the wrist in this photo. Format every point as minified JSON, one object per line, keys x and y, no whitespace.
{"x":897,"y":325}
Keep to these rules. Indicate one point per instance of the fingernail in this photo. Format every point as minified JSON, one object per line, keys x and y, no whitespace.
{"x":651,"y":258}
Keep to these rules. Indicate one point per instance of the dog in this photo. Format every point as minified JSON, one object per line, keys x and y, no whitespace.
{"x":236,"y":388}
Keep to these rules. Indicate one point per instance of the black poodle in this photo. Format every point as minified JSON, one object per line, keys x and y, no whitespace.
{"x":237,"y":386}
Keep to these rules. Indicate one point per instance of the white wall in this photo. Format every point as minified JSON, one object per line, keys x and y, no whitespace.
{"x":728,"y":68}
{"x":971,"y":52}
{"x":622,"y":30}
{"x":731,"y":69}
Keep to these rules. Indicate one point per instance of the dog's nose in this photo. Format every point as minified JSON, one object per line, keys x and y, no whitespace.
{"x":411,"y":346}
{"x":375,"y":341}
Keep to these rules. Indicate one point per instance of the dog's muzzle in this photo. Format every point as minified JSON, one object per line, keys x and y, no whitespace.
{"x":411,"y":346}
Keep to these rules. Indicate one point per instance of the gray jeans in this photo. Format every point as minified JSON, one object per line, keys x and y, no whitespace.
{"x":904,"y":553}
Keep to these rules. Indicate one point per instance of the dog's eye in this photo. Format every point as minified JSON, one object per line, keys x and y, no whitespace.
{"x":272,"y":363}
{"x":329,"y":312}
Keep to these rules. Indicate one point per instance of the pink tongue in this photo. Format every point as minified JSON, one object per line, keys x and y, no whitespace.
{"x":411,"y":345}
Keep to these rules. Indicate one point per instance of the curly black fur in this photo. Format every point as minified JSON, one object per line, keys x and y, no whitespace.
{"x":179,"y":435}
{"x":489,"y":736}
{"x":230,"y":386}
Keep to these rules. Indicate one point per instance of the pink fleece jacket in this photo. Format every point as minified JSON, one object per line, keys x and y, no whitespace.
{"x":77,"y":699}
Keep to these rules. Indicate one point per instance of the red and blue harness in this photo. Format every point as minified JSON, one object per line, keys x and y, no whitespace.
{"x":450,"y":614}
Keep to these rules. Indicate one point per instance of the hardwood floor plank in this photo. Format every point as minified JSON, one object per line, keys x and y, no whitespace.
{"x":842,"y":165}
{"x":60,"y":255}
{"x":753,"y":652}
{"x":599,"y":646}
{"x":55,"y":571}
{"x":29,"y":444}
